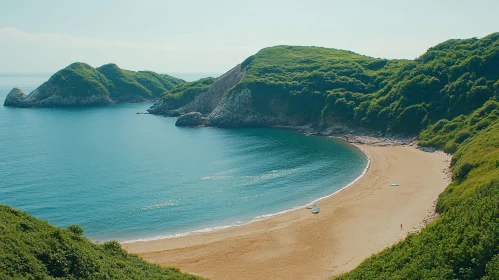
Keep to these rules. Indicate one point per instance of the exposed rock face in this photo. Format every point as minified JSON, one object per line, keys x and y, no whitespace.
{"x":204,"y":102}
{"x":160,"y":108}
{"x":42,"y":98}
{"x":15,"y":98}
{"x":190,"y":119}
{"x":228,"y":106}
{"x":236,"y":110}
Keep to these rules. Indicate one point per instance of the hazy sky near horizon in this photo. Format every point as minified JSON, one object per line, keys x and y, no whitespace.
{"x":213,"y":36}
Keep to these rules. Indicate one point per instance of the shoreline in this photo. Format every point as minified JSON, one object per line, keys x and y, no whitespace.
{"x":355,"y":222}
{"x":260,"y":217}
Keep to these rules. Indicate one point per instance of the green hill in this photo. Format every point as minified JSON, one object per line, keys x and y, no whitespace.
{"x":463,"y":243}
{"x":80,"y":84}
{"x":448,"y":98}
{"x":301,"y":85}
{"x":33,"y":249}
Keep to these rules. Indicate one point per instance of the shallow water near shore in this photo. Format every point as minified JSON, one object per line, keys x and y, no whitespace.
{"x":124,"y":176}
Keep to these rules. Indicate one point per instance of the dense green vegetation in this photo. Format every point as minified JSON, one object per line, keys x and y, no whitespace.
{"x":449,"y":135}
{"x":447,"y":98}
{"x":326,"y":86}
{"x":463,"y":243}
{"x":184,"y":93}
{"x":82,"y":80}
{"x":305,"y":78}
{"x":401,"y":96}
{"x":33,"y":249}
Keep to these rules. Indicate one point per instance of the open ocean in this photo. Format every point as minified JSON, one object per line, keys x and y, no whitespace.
{"x":123,"y":176}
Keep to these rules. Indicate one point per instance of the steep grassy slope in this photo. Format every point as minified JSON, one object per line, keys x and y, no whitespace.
{"x":447,"y":98}
{"x":300,"y":85}
{"x":450,"y":79}
{"x":302,"y":77}
{"x":33,"y":249}
{"x":449,"y":135}
{"x":125,"y":84}
{"x":294,"y":81}
{"x":80,"y":84}
{"x":463,"y":243}
{"x":184,"y":93}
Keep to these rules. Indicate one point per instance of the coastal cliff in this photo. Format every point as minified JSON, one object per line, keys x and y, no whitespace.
{"x":201,"y":96}
{"x":79,"y":84}
{"x":326,"y":88}
{"x":448,"y":98}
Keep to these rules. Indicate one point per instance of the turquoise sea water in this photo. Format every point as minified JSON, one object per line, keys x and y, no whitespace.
{"x":125,"y":176}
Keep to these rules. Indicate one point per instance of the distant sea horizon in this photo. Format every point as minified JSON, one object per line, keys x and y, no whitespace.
{"x":126,"y":176}
{"x":37,"y":78}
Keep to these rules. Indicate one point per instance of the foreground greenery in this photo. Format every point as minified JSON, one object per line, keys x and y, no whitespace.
{"x":447,"y":98}
{"x":33,"y":249}
{"x":463,"y":243}
{"x":460,"y":116}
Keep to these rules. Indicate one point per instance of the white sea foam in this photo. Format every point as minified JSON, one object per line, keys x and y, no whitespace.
{"x":194,"y":232}
{"x":257,"y":218}
{"x":163,"y":204}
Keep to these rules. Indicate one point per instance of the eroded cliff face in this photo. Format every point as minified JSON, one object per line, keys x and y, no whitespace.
{"x":15,"y":98}
{"x":227,"y":103}
{"x":237,"y":109}
{"x":204,"y":102}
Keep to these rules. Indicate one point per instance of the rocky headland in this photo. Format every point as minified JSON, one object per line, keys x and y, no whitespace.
{"x":80,"y":84}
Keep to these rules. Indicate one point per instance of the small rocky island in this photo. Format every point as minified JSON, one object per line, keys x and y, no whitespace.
{"x":80,"y":84}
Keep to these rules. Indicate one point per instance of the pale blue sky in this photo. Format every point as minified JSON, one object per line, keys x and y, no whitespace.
{"x":212,"y":36}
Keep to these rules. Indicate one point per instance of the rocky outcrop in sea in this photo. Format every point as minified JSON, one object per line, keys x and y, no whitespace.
{"x":38,"y":98}
{"x":204,"y":102}
{"x":80,"y":84}
{"x":190,"y":119}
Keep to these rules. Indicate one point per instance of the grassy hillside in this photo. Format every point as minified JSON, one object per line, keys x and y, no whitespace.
{"x":449,"y":135}
{"x":463,"y":243}
{"x":460,"y":117}
{"x":304,"y":76}
{"x":80,"y":81}
{"x":184,"y":93}
{"x":452,"y":78}
{"x":328,"y":86}
{"x":33,"y":249}
{"x":123,"y":84}
{"x":447,"y":98}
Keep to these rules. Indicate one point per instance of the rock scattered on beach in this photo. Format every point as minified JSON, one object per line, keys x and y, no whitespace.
{"x":432,"y":215}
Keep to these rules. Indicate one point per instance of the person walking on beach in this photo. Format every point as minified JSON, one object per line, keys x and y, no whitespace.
{"x":400,"y":226}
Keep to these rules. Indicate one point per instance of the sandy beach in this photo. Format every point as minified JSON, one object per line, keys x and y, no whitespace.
{"x":352,"y":225}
